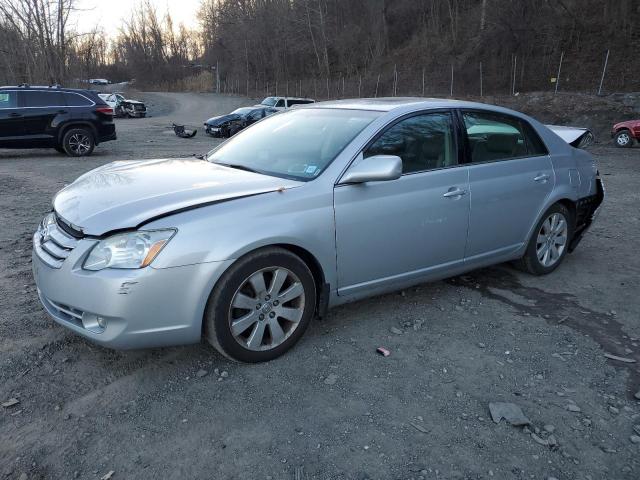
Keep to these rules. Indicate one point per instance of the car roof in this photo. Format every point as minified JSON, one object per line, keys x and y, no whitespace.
{"x":51,"y":88}
{"x":407,"y":105}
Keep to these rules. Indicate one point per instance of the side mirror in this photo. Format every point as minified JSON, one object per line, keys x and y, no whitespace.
{"x":378,"y":168}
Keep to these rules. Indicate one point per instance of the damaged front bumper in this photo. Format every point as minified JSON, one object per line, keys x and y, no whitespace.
{"x":587,"y":210}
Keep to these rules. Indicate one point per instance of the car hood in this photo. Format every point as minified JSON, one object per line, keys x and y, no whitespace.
{"x":217,"y":121}
{"x":123,"y":195}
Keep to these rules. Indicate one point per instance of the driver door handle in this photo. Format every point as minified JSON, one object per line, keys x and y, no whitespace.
{"x":454,"y":192}
{"x":541,"y":177}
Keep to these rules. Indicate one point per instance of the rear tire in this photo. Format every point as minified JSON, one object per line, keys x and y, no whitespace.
{"x":549,"y":243}
{"x":623,"y":139}
{"x":78,"y":142}
{"x":261,"y":306}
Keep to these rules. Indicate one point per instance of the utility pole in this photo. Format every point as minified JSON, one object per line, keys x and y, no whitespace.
{"x":604,"y":70}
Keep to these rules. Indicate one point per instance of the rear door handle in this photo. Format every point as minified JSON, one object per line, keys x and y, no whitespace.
{"x":542,"y":177}
{"x":454,"y":192}
{"x":14,"y":114}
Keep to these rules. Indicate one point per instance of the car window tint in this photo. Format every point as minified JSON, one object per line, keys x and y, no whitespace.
{"x":535,"y":145}
{"x":423,"y":142}
{"x":8,"y":99}
{"x":299,"y":102}
{"x":494,"y":136}
{"x":76,"y":100}
{"x":280,"y":103}
{"x":43,"y":99}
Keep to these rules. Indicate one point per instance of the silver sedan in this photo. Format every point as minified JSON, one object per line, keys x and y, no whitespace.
{"x":305,"y":210}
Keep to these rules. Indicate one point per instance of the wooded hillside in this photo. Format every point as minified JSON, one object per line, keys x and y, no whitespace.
{"x":334,"y":48}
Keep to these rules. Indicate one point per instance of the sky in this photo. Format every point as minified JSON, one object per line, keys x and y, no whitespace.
{"x":108,"y":14}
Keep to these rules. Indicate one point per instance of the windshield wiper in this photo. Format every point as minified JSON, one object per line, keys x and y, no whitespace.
{"x":239,"y":167}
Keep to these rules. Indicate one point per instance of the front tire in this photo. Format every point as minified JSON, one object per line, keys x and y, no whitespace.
{"x":261,"y":306}
{"x":78,"y":142}
{"x":623,"y":139}
{"x":549,"y":242}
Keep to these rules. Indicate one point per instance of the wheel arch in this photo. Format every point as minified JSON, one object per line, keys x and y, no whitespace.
{"x":306,"y":256}
{"x":562,"y":199}
{"x":77,"y":124}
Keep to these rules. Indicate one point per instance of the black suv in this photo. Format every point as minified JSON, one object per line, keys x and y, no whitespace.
{"x":69,"y":120}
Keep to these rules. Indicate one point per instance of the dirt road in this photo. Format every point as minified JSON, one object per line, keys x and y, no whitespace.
{"x":332,"y":408}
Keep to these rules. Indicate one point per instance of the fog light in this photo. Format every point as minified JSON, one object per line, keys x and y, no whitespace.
{"x":94,"y":323}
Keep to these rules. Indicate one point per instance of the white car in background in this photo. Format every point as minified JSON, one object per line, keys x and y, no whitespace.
{"x":284,"y":103}
{"x":124,"y":107}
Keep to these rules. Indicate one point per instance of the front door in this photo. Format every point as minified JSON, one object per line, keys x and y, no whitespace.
{"x":510,"y":178}
{"x":11,"y":120}
{"x":403,"y":230}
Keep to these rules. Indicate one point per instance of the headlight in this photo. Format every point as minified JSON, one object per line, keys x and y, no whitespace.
{"x":128,"y":250}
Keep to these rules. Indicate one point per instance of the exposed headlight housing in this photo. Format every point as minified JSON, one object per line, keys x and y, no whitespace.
{"x":128,"y":250}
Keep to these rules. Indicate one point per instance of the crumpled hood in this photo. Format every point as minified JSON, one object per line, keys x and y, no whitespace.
{"x":217,"y":121}
{"x":125,"y":194}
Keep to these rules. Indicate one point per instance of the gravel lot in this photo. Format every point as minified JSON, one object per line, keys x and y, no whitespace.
{"x":332,"y":408}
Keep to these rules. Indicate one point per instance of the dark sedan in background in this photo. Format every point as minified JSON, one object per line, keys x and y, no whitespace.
{"x":226,"y":126}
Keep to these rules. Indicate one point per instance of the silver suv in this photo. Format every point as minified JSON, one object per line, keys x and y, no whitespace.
{"x":307,"y":209}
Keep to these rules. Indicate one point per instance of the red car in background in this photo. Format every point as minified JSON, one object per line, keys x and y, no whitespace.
{"x":624,"y":132}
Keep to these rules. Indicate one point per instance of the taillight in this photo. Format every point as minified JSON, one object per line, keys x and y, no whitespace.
{"x":105,"y":110}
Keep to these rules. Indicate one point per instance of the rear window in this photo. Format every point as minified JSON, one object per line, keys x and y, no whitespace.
{"x":8,"y":99}
{"x":77,"y":100}
{"x":496,"y":136}
{"x":298,"y":102}
{"x":43,"y":99}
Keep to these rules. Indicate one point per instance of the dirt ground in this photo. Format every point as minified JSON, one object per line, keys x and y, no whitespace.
{"x":332,"y":408}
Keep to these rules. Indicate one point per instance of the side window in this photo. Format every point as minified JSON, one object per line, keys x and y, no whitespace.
{"x":76,"y":100}
{"x":280,"y":103}
{"x":424,"y":142}
{"x":495,"y":137}
{"x":8,"y":99}
{"x":43,"y":99}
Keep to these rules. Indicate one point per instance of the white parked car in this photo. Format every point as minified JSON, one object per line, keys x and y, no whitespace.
{"x":284,"y":103}
{"x":98,"y":81}
{"x":124,"y":107}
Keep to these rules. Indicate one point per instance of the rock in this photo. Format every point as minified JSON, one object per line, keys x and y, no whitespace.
{"x":224,"y":374}
{"x":572,"y":407}
{"x":636,"y":428}
{"x":549,"y":428}
{"x":23,"y":476}
{"x":201,"y":373}
{"x":420,"y":428}
{"x":634,"y":439}
{"x":108,"y":475}
{"x":637,"y":395}
{"x":539,"y":440}
{"x":396,"y":331}
{"x":510,"y":412}
{"x":613,"y":410}
{"x":331,"y":379}
{"x":216,"y":371}
{"x":551,"y":440}
{"x":481,"y":345}
{"x":10,"y":403}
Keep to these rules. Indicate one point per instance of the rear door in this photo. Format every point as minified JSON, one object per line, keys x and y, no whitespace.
{"x":41,"y":107}
{"x":510,"y":178}
{"x":11,"y":119}
{"x":404,"y":230}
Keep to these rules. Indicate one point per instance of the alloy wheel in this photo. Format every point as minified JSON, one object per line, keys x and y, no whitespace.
{"x":267,"y":308}
{"x":552,"y":239}
{"x":623,"y":139}
{"x":79,"y":143}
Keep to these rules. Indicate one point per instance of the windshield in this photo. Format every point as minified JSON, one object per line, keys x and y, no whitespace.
{"x":269,"y":101}
{"x":297,"y":144}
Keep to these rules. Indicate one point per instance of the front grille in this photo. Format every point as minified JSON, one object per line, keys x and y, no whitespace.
{"x":66,"y":312}
{"x":53,"y":243}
